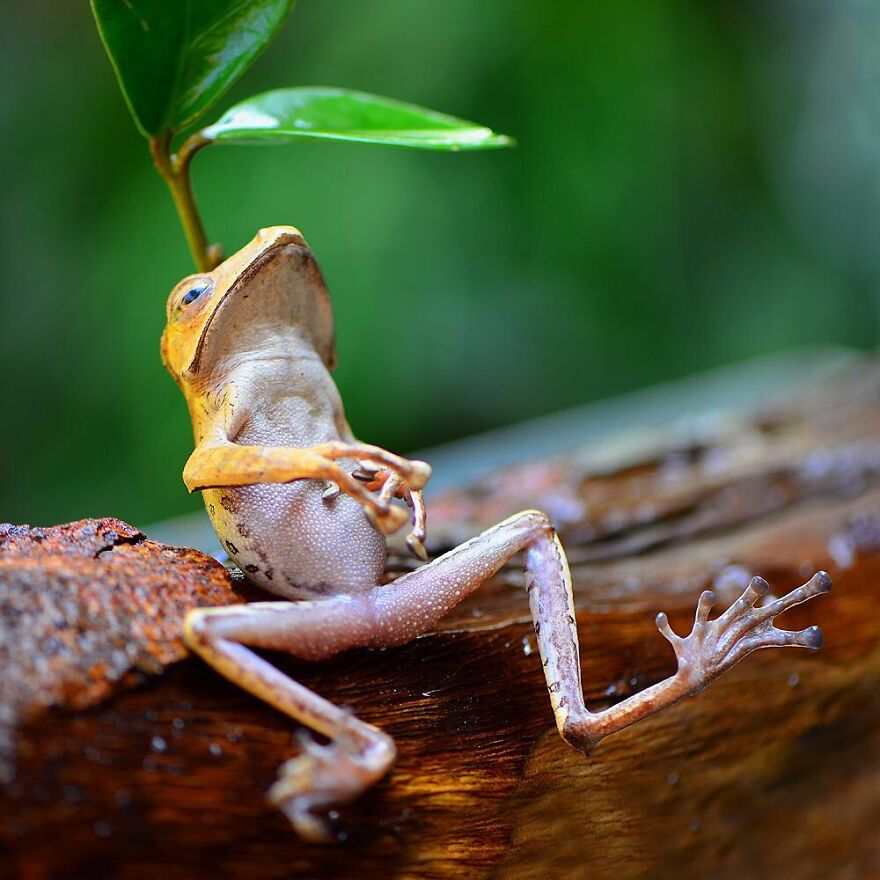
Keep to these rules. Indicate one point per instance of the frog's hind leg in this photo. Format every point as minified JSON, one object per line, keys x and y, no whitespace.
{"x":358,"y":754}
{"x":417,"y":600}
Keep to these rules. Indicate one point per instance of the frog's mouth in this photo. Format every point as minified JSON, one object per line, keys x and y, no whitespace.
{"x":286,"y":270}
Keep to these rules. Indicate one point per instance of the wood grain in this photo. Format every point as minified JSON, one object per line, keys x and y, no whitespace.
{"x":774,"y":771}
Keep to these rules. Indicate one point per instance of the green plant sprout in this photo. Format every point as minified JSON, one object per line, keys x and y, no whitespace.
{"x":175,"y":60}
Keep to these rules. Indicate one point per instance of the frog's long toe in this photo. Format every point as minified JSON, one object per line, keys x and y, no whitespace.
{"x":714,"y":646}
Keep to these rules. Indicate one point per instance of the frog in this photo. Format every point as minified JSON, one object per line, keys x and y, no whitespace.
{"x":305,"y":511}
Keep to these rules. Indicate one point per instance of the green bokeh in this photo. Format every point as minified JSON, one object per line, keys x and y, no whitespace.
{"x":669,"y":208}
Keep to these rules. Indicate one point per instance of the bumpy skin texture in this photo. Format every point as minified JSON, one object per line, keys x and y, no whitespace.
{"x":304,"y":508}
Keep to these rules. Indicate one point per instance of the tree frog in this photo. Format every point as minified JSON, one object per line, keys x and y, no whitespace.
{"x":304,"y":508}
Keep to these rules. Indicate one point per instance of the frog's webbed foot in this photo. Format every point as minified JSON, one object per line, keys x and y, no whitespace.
{"x":325,"y":775}
{"x":714,"y":646}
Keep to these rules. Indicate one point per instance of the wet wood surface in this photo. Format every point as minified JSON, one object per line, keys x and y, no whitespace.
{"x":774,"y":771}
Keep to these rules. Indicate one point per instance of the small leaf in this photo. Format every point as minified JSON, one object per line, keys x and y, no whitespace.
{"x":175,"y":58}
{"x":285,"y":115}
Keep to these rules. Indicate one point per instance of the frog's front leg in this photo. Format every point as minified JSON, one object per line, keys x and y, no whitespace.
{"x":217,"y":463}
{"x":418,"y":599}
{"x":219,"y":460}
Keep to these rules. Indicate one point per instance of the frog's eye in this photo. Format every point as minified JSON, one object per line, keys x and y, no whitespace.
{"x":194,"y":291}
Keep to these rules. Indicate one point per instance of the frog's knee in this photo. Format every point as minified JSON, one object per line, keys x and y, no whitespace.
{"x":535,"y":519}
{"x":196,"y":628}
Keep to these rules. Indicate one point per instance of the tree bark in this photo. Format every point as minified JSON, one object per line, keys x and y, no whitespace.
{"x":774,"y":771}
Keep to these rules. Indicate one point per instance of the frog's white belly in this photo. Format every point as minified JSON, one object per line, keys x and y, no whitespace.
{"x":292,"y":542}
{"x":286,"y":537}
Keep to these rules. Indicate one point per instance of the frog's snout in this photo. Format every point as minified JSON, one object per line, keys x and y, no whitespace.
{"x":272,"y":235}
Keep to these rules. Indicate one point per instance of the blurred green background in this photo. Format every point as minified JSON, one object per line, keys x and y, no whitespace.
{"x":695,"y":183}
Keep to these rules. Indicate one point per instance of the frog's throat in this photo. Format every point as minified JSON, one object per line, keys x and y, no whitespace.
{"x":324,"y":342}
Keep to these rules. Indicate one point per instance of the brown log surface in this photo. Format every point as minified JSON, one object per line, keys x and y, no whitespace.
{"x":774,"y":771}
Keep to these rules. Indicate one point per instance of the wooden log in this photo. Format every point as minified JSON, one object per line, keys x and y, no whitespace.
{"x":89,"y":608}
{"x":774,"y":771}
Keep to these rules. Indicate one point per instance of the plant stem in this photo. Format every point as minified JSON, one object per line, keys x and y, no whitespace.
{"x":175,"y":172}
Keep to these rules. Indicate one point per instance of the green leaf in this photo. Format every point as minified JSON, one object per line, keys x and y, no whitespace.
{"x":285,"y":115}
{"x":175,"y":58}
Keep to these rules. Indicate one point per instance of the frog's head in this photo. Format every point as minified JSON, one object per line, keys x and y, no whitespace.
{"x":271,"y":285}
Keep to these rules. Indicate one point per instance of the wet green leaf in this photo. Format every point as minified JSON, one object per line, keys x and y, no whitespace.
{"x":175,"y":58}
{"x":285,"y":115}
